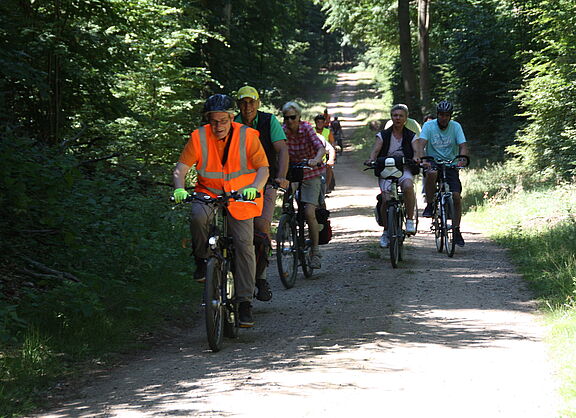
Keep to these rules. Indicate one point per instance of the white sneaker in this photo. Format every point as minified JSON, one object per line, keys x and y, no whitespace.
{"x":410,"y":226}
{"x":315,"y":262}
{"x":384,"y":242}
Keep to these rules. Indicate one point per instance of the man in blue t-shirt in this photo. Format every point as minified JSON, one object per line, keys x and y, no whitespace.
{"x":443,"y":139}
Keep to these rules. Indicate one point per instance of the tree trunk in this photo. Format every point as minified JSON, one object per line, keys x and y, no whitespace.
{"x":423,"y":32}
{"x":408,"y":73}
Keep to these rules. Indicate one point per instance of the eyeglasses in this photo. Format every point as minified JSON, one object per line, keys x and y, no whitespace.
{"x":290,"y":117}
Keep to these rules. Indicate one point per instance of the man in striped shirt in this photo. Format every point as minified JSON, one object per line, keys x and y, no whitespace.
{"x":304,"y":145}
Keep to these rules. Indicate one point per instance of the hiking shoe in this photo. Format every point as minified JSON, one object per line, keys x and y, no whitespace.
{"x":410,"y":226}
{"x":245,"y":319}
{"x":427,"y":211}
{"x":315,"y":262}
{"x":458,"y":237}
{"x":200,"y":273}
{"x":384,"y":241}
{"x":264,"y":293}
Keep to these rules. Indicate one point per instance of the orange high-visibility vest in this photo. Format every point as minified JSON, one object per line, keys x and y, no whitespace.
{"x":238,"y":173}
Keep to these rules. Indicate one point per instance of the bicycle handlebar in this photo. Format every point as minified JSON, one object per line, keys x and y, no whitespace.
{"x":372,"y":163}
{"x":304,"y":164}
{"x":233,"y":195}
{"x":449,"y":163}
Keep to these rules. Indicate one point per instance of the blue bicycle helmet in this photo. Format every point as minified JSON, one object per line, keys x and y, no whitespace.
{"x":219,"y":103}
{"x":444,"y":106}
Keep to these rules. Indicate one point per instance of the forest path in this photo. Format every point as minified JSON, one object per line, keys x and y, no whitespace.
{"x":439,"y":336}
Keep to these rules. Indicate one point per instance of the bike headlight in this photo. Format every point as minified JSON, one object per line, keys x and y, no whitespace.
{"x":212,"y":240}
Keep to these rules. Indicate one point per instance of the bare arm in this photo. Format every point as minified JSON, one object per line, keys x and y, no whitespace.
{"x":261,"y":178}
{"x":179,"y":175}
{"x":376,"y":149}
{"x":331,"y":154}
{"x":318,"y":158}
{"x":281,"y":149}
{"x":463,"y":148}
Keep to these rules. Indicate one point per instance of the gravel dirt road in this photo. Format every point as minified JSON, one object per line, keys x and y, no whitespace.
{"x":437,"y":337}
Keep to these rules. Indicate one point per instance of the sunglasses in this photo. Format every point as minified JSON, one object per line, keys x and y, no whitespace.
{"x":290,"y":117}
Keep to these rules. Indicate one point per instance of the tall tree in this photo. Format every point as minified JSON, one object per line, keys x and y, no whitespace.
{"x":424,"y":53}
{"x":408,"y":73}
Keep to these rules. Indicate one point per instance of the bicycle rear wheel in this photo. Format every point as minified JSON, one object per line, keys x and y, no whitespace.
{"x":287,"y":251}
{"x":213,"y":306}
{"x":393,"y":235}
{"x":437,"y":227}
{"x":231,"y":306}
{"x":448,"y":212}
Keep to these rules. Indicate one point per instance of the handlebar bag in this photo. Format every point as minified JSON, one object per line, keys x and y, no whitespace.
{"x":295,"y":174}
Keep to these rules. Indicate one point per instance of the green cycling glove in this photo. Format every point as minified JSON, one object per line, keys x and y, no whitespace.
{"x":249,"y":193}
{"x":180,"y":195}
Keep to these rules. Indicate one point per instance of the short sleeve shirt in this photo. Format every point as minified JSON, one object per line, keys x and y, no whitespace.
{"x":304,"y":145}
{"x":442,"y":144}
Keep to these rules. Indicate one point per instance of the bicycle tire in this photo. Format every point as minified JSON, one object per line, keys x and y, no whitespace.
{"x":287,"y":251}
{"x":304,"y":252}
{"x":449,"y":227}
{"x":231,"y":324}
{"x":213,"y":306}
{"x":437,"y":226}
{"x":393,"y":235}
{"x":401,"y":222}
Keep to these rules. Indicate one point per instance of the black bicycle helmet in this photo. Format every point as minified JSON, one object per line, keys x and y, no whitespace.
{"x":444,"y":106}
{"x":219,"y":103}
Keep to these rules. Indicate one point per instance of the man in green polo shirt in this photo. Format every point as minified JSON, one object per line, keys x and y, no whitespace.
{"x":273,"y":140}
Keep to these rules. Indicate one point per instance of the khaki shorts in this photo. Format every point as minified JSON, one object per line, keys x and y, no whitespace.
{"x":311,"y":190}
{"x":407,"y":179}
{"x":269,"y":203}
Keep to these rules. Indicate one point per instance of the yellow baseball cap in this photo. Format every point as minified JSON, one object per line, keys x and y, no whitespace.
{"x":248,"y":91}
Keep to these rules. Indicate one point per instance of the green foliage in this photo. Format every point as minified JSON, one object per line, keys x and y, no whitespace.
{"x":547,"y":142}
{"x":97,"y":99}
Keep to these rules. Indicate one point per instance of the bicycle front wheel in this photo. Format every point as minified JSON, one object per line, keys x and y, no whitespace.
{"x":448,"y":213}
{"x":393,"y":235}
{"x":287,"y":251}
{"x":213,"y":306}
{"x":438,"y":227}
{"x":401,"y":222}
{"x":231,"y":324}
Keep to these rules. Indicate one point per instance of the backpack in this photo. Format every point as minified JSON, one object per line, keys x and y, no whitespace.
{"x":325,"y":234}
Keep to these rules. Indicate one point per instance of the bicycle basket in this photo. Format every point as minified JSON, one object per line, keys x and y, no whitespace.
{"x":389,"y":167}
{"x":295,"y":174}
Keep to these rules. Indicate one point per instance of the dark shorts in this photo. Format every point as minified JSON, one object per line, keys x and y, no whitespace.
{"x":453,"y":180}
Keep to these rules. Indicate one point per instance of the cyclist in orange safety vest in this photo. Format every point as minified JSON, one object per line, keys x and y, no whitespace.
{"x":228,"y":156}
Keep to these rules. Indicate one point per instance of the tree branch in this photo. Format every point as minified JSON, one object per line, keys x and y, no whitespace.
{"x":49,"y":272}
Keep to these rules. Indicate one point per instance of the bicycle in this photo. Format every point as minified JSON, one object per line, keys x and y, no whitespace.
{"x":443,"y":204}
{"x":292,"y":247}
{"x":395,"y":206}
{"x":219,"y":297}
